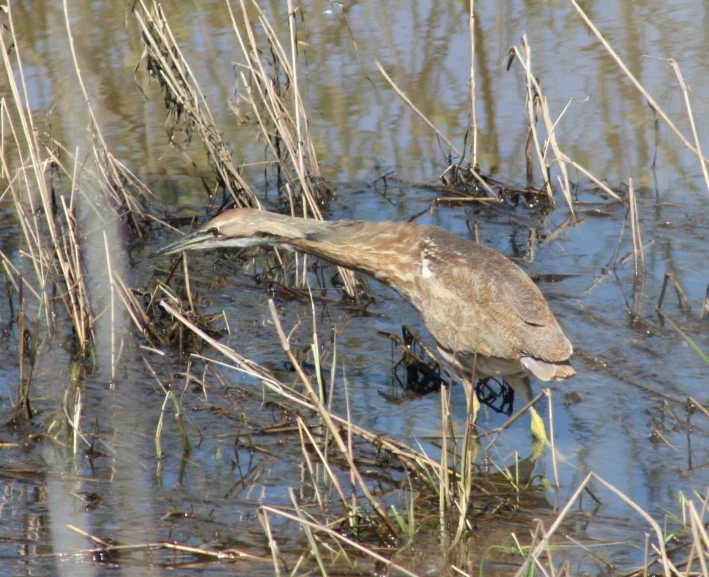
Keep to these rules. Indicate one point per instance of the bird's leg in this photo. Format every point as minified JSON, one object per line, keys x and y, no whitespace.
{"x":476,"y":405}
{"x":471,"y":398}
{"x":523,"y":389}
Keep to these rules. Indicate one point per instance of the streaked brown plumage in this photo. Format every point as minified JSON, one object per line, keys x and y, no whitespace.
{"x":472,"y":298}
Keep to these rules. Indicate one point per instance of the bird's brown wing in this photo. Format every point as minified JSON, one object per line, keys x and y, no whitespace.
{"x":496,"y":308}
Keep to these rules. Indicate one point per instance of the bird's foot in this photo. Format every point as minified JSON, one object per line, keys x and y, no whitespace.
{"x":539,"y":429}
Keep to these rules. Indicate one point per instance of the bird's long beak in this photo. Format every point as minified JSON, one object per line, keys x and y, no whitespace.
{"x":194,"y":241}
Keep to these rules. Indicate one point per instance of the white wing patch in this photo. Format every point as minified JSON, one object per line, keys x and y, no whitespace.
{"x":425,"y":271}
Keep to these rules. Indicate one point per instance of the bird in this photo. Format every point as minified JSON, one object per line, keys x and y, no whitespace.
{"x":485,"y":314}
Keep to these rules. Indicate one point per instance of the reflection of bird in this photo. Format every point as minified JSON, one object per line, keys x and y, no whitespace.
{"x":483,"y":311}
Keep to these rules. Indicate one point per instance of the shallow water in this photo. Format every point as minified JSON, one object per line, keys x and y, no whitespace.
{"x":621,"y":417}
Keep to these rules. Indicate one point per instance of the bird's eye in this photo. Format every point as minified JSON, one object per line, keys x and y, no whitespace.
{"x":214,"y":230}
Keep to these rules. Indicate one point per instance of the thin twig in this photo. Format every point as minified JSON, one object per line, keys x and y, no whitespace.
{"x":688,"y":104}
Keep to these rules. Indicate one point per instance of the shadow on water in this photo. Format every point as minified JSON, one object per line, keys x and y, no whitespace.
{"x":128,"y":493}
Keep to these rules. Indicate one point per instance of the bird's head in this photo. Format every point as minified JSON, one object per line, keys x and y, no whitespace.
{"x":238,"y":228}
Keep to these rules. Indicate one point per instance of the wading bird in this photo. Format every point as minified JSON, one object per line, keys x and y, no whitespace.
{"x":485,"y":314}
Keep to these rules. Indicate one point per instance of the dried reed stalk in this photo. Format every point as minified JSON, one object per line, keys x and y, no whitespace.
{"x":536,"y":96}
{"x":537,"y":102}
{"x":473,"y":108}
{"x":638,"y":252}
{"x":272,"y":544}
{"x":690,"y":116}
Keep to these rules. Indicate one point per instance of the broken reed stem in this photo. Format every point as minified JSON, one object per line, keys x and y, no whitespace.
{"x":11,"y":271}
{"x":188,"y":288}
{"x":420,"y":114}
{"x":73,"y":417}
{"x":600,"y":184}
{"x":113,"y":307}
{"x":315,"y":349}
{"x":186,"y":446}
{"x":632,"y":78}
{"x":534,"y":93}
{"x":443,"y":479}
{"x":76,"y":423}
{"x":547,"y":392}
{"x":309,"y":462}
{"x":296,"y":93}
{"x":199,"y":552}
{"x":170,"y":395}
{"x":469,"y":451}
{"x":682,"y":299}
{"x":638,"y":252}
{"x":551,"y":140}
{"x":688,"y":104}
{"x":137,"y":314}
{"x":700,"y":542}
{"x":305,"y":525}
{"x":272,"y":544}
{"x":159,"y":428}
{"x":303,"y":428}
{"x":473,"y":108}
{"x":23,"y":395}
{"x":560,"y":158}
{"x":350,"y":446}
{"x":79,"y":297}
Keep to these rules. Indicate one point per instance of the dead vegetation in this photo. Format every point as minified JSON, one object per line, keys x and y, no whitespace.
{"x":351,"y":472}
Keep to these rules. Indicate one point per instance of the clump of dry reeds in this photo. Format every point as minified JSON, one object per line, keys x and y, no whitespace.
{"x":188,"y":110}
{"x":62,"y":205}
{"x":268,"y":92}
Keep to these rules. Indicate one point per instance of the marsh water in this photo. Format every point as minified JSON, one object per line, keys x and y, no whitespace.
{"x":623,"y":416}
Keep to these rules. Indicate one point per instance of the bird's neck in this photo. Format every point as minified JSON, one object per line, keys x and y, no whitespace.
{"x":384,"y":250}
